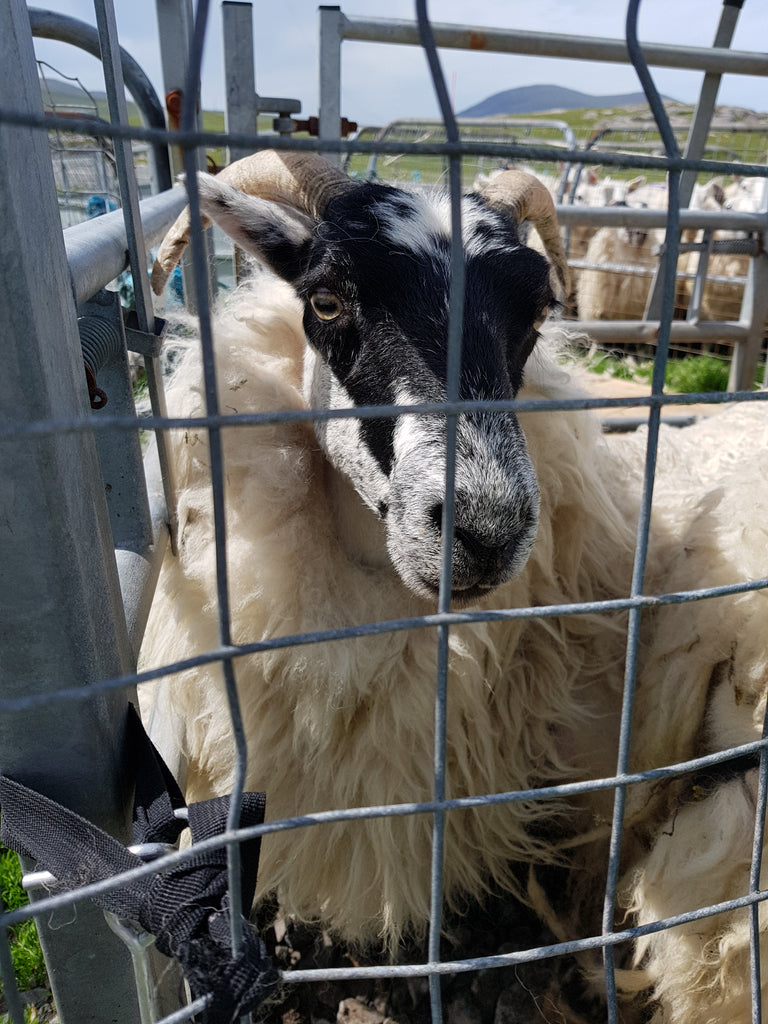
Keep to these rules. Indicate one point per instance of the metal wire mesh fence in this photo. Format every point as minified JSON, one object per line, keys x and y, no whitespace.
{"x":52,"y":685}
{"x":605,"y":263}
{"x":396,"y":167}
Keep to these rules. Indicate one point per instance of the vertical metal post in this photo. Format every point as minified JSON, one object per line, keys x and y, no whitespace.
{"x":61,"y":616}
{"x":329,"y":120}
{"x":696,"y":141}
{"x":175,"y":22}
{"x":241,"y":114}
{"x":129,"y":193}
{"x":697,"y":136}
{"x":135,"y":533}
{"x":754,"y":311}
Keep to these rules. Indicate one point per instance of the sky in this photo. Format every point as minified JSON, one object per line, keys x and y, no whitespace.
{"x":381,"y":83}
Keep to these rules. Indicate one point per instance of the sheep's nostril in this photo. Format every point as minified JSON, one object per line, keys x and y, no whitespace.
{"x":435,"y":516}
{"x":469,"y":541}
{"x":484,"y":551}
{"x":473,"y":545}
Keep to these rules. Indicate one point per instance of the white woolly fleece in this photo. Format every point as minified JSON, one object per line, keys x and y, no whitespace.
{"x":347,"y":724}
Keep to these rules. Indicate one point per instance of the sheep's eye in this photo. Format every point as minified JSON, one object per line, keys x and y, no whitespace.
{"x":325,"y":304}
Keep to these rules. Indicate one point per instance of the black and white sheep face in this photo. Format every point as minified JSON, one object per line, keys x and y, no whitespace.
{"x":375,"y":279}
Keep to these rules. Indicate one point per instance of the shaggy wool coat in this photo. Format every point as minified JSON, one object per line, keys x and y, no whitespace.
{"x":531,"y":701}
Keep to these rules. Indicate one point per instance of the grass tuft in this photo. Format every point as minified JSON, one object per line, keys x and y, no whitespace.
{"x":28,"y":962}
{"x":697,"y":373}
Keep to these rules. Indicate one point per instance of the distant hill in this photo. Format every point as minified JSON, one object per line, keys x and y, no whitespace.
{"x":532,"y":99}
{"x":66,"y":92}
{"x":62,"y":97}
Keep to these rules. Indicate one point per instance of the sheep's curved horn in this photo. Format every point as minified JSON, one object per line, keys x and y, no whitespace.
{"x":305,"y":181}
{"x":529,"y":199}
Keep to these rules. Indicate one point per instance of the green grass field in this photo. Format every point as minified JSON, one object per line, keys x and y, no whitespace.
{"x":622,"y":129}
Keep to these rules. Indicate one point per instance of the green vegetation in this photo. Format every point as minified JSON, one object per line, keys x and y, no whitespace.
{"x":697,"y":373}
{"x":632,"y":130}
{"x":31,"y":1016}
{"x":26,"y":953}
{"x":688,"y":375}
{"x":213,"y":121}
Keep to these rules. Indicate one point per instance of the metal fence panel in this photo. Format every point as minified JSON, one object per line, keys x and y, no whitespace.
{"x":62,"y":621}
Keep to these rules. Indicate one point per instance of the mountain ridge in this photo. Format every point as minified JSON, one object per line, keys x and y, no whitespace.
{"x":535,"y":99}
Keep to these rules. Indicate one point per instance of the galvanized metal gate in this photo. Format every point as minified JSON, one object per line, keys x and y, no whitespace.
{"x":86,"y":523}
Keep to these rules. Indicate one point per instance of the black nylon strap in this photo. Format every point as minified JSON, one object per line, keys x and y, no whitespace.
{"x":156,"y":794}
{"x":187,"y":907}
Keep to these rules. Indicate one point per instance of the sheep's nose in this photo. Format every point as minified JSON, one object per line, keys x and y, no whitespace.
{"x":482,"y":549}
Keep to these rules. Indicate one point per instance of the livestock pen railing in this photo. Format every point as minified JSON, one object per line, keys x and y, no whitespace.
{"x":87,"y":521}
{"x":497,"y":131}
{"x":745,"y":331}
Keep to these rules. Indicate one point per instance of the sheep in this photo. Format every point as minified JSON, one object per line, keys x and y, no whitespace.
{"x":700,"y":854}
{"x":340,"y":525}
{"x":617,"y":283}
{"x":613,"y":289}
{"x":613,"y":286}
{"x":613,"y":292}
{"x":721,"y":298}
{"x":590,"y":191}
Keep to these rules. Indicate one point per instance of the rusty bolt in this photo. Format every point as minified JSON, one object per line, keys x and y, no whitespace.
{"x":312,"y":126}
{"x":173,"y":106}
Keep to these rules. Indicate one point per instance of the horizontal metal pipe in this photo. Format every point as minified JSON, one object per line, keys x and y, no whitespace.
{"x":631,"y":216}
{"x":97,"y":250}
{"x":466,"y":37}
{"x":648,"y":270}
{"x":647,"y":330}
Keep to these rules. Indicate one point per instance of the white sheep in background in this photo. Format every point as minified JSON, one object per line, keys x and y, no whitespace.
{"x":721,"y":299}
{"x":616,"y":289}
{"x":591,"y":190}
{"x":341,"y":525}
{"x":616,"y":283}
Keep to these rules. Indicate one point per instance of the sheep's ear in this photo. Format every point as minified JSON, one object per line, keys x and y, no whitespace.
{"x":593,"y":174}
{"x":274,"y":233}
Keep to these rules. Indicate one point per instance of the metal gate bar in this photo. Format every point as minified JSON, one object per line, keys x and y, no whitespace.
{"x":697,"y":138}
{"x":61,"y":617}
